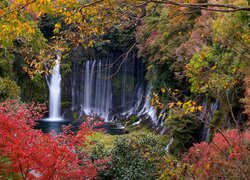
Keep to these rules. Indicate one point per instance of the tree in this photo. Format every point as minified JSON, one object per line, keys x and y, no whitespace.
{"x":28,"y":153}
{"x":206,"y":55}
{"x":226,"y":156}
{"x":77,"y":23}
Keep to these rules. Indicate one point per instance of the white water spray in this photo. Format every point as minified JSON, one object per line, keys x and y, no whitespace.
{"x":148,"y":108}
{"x":169,"y":144}
{"x":55,"y":93}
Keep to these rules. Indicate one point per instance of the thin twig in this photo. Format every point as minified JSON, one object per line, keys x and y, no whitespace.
{"x":142,"y":36}
{"x":229,"y":7}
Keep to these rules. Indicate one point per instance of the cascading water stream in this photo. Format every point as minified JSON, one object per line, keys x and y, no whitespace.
{"x":99,"y":89}
{"x":206,"y":116}
{"x":169,"y":144}
{"x":96,"y":94}
{"x":96,"y":91}
{"x":148,"y":108}
{"x":55,"y":93}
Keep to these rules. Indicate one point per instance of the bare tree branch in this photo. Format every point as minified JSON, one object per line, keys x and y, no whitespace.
{"x":205,"y":6}
{"x":141,"y":38}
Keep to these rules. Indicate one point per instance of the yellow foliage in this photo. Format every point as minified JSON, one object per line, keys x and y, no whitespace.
{"x":163,"y":90}
{"x":89,"y":19}
{"x":214,"y":67}
{"x":179,"y":103}
{"x":199,"y":108}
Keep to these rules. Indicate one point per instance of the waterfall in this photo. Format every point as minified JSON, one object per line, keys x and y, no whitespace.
{"x":73,"y":87}
{"x":147,"y":108}
{"x":108,"y":88}
{"x":206,"y":116}
{"x":55,"y":93}
{"x":88,"y":85}
{"x":169,"y":144}
{"x":97,"y":94}
{"x":104,"y":87}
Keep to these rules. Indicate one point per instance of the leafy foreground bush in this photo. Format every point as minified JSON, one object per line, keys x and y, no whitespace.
{"x":226,"y":157}
{"x":26,"y":153}
{"x":132,"y":158}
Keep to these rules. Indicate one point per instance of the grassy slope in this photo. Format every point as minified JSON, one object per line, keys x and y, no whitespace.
{"x":107,"y":140}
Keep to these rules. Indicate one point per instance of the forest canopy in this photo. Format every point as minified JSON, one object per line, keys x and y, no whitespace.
{"x":76,"y":23}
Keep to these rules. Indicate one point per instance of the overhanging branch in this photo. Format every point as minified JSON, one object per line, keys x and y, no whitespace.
{"x":205,"y":6}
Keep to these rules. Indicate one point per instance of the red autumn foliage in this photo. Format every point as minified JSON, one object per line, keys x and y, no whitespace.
{"x":32,"y":154}
{"x":228,"y":155}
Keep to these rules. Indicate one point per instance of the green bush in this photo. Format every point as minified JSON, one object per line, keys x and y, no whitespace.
{"x":132,"y":158}
{"x":8,"y":89}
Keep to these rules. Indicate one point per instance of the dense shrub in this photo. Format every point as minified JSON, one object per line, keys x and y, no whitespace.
{"x":8,"y":89}
{"x":133,"y":158}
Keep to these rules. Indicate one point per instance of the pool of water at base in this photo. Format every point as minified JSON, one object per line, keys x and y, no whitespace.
{"x":56,"y":126}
